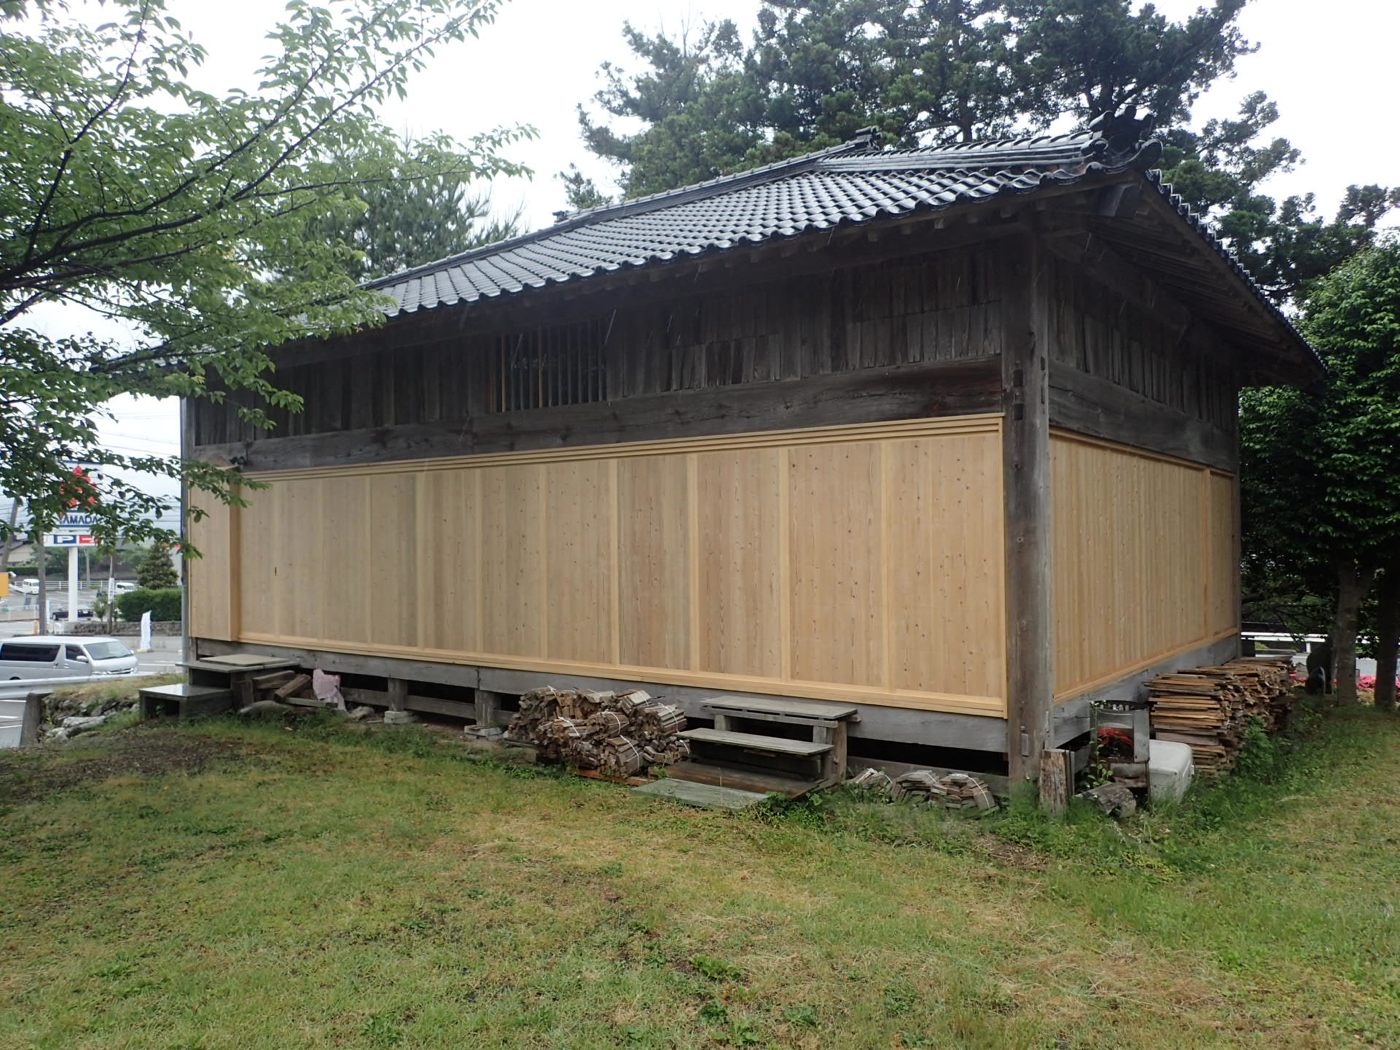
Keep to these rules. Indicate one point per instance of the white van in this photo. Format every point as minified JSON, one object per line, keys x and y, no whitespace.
{"x":55,"y":656}
{"x":28,"y":585}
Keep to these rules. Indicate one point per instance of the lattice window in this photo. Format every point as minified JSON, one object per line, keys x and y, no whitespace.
{"x":560,"y":365}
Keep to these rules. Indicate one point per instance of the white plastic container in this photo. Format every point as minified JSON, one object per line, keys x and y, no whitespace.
{"x":1169,"y":770}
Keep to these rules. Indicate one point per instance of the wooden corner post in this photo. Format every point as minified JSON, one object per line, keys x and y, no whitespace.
{"x":1026,"y":498}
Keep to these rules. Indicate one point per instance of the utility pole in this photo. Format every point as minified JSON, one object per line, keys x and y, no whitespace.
{"x":72,"y":587}
{"x":42,"y":557}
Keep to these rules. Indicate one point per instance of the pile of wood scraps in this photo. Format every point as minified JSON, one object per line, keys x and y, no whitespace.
{"x":284,"y":687}
{"x":949,"y":790}
{"x":1209,"y":708}
{"x":619,"y":735}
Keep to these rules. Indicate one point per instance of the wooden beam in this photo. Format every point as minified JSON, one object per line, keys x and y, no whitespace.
{"x":1100,"y":408}
{"x":1096,"y":259}
{"x":936,"y":728}
{"x":938,"y":388}
{"x":1026,"y":494}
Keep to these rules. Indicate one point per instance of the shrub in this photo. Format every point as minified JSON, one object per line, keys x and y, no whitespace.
{"x":1263,"y":758}
{"x":162,"y":602}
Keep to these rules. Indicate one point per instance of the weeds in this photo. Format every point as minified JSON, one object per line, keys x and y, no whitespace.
{"x":350,"y":886}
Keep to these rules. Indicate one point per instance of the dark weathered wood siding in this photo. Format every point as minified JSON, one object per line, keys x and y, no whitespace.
{"x":934,"y":308}
{"x":1123,"y":372}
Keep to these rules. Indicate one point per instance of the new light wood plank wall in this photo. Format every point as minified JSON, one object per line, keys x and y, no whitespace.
{"x":1144,"y":559}
{"x":208,"y":576}
{"x":857,"y":563}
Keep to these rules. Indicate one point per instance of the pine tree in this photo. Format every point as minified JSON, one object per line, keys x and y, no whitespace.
{"x":955,"y":70}
{"x":156,"y":570}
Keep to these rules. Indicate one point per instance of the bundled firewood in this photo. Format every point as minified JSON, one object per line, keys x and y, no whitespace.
{"x":1209,"y":708}
{"x":536,"y":707}
{"x":618,"y":734}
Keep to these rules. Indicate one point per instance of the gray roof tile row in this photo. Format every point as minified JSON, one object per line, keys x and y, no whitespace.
{"x":844,"y":185}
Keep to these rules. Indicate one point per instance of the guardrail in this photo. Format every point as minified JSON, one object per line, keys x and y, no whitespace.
{"x":15,"y":700}
{"x":18,"y":690}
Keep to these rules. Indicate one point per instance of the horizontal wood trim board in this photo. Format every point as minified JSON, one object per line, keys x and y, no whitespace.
{"x":1141,"y":453}
{"x":1124,"y":672}
{"x":1094,"y":406}
{"x":972,"y":705}
{"x":930,"y":389}
{"x":860,"y":432}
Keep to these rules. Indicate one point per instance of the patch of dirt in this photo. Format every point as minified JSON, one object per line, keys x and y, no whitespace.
{"x":1012,"y":853}
{"x":140,"y":750}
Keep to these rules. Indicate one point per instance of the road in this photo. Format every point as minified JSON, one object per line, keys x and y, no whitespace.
{"x":58,"y":597}
{"x":164,"y":657}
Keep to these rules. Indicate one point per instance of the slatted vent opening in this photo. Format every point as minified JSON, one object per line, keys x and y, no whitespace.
{"x":560,"y":365}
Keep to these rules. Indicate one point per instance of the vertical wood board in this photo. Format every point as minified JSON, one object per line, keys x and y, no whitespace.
{"x":654,"y":559}
{"x":1137,"y":558}
{"x":864,"y":564}
{"x":838,"y":611}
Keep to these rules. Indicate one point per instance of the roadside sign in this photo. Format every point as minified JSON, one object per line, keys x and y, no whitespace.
{"x":76,"y":519}
{"x":70,"y":539}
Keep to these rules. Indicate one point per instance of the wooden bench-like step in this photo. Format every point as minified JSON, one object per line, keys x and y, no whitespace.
{"x":796,"y":710}
{"x":771,"y":745}
{"x":764,"y":783}
{"x":184,"y":701}
{"x":702,"y":794}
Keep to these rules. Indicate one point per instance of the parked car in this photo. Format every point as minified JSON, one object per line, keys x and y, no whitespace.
{"x":84,"y":613}
{"x":123,"y":586}
{"x":27,"y":586}
{"x":55,"y":656}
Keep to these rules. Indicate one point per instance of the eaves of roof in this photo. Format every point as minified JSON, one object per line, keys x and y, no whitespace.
{"x":845,"y":185}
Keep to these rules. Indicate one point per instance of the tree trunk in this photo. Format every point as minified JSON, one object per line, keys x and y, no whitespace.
{"x":1352,"y":584}
{"x":1387,"y":637}
{"x":10,"y":535}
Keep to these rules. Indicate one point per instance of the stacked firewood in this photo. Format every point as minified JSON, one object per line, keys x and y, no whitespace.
{"x":617,"y":734}
{"x":1209,"y":708}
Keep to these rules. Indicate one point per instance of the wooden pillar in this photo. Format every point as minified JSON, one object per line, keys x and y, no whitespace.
{"x":187,"y":437}
{"x":398,"y":694}
{"x":1026,"y":498}
{"x":488,"y":708}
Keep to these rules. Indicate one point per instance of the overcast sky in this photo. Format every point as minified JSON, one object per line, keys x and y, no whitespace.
{"x":1326,"y":65}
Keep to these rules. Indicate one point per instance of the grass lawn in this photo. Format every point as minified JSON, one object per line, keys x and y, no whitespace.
{"x":254,"y":886}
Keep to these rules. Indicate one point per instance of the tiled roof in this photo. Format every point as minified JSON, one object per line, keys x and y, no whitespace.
{"x":847,"y":184}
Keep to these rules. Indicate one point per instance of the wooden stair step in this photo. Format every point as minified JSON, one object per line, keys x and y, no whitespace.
{"x":700,"y":794}
{"x":763,"y":782}
{"x":773,"y":745}
{"x":798,"y":710}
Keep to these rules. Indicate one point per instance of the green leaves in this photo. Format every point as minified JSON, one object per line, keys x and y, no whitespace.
{"x":816,"y":71}
{"x":1319,"y":468}
{"x":175,"y":221}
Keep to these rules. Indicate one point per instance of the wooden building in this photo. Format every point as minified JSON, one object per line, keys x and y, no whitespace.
{"x":946,"y":433}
